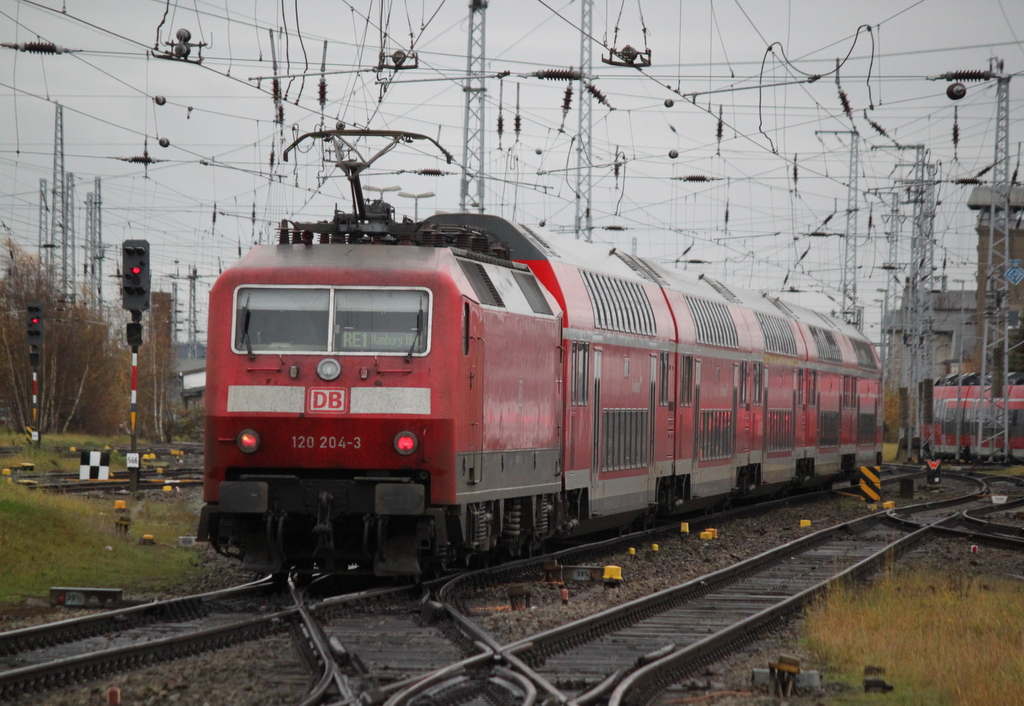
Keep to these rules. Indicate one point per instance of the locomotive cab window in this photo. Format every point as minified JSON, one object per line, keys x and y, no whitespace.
{"x":381,"y":321}
{"x":282,"y":319}
{"x":299,"y":319}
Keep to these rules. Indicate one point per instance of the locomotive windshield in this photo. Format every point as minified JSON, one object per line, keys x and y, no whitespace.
{"x":282,"y":319}
{"x":340,"y":320}
{"x":380,"y":321}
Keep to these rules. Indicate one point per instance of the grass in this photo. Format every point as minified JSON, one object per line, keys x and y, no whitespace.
{"x":59,"y":540}
{"x":942,"y":639}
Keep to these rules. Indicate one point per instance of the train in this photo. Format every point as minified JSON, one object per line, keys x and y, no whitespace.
{"x":400,"y":398}
{"x":955,"y":408}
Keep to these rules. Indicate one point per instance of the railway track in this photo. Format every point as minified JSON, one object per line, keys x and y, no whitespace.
{"x":412,"y":646}
{"x":61,"y":653}
{"x":631,"y":653}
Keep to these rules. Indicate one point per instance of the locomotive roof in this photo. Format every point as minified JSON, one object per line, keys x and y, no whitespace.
{"x":535,"y":243}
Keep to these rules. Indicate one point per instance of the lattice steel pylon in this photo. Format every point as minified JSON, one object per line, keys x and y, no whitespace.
{"x":68,"y":249}
{"x":918,"y":328}
{"x":44,"y":222}
{"x":851,"y":312}
{"x":584,"y":224}
{"x":93,"y":265}
{"x":473,"y":127}
{"x":100,"y":251}
{"x":993,"y":426}
{"x":90,"y":226}
{"x":58,"y":200}
{"x":891,"y":266}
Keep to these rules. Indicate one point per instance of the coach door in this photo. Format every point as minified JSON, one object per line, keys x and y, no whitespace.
{"x":595,"y":410}
{"x":696,"y":415}
{"x":652,"y":407}
{"x":472,"y":347}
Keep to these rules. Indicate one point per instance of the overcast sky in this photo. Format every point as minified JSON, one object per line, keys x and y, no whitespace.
{"x":749,"y":222}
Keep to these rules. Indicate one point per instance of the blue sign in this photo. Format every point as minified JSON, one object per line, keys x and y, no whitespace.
{"x":1015,"y":275}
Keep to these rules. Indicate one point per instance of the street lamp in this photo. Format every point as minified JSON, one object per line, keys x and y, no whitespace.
{"x":417,"y":197}
{"x":380,"y":189}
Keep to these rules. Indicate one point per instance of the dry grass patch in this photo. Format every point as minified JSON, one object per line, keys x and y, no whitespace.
{"x":942,"y":638}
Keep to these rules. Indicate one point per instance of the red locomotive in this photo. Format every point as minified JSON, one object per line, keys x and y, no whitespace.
{"x":408,"y":396}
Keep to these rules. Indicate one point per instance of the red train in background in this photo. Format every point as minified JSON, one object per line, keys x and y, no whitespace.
{"x":405,"y":397}
{"x":955,"y":416}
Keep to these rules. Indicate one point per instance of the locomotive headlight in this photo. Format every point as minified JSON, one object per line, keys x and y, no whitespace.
{"x":248,"y":441}
{"x":328,"y":369}
{"x":406,"y":442}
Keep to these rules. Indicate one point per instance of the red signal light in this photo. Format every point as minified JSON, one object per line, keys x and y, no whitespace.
{"x":248,"y":441}
{"x":136,"y":270}
{"x":406,"y":443}
{"x":35,"y":319}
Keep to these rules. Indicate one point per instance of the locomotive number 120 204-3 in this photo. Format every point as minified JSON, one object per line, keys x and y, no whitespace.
{"x":325,"y":442}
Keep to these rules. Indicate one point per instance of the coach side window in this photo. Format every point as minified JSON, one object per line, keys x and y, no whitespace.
{"x":663,"y":383}
{"x":686,"y":380}
{"x":758,"y":381}
{"x":812,"y":392}
{"x":580,"y":372}
{"x":743,"y":383}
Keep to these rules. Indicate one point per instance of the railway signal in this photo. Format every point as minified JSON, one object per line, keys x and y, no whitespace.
{"x":135,"y":274}
{"x":35,"y":323}
{"x":136,"y":277}
{"x":34,"y":315}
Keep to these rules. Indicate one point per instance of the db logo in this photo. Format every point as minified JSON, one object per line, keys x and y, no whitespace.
{"x":325,"y":400}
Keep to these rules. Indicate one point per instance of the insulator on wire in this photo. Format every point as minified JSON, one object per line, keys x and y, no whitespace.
{"x":845,"y":100}
{"x":517,"y":122}
{"x":280,"y":114}
{"x":967,"y":181}
{"x":877,"y":128}
{"x":501,"y":125}
{"x":322,"y":93}
{"x":796,"y":173}
{"x":1013,"y":178}
{"x":985,"y":171}
{"x":214,"y":213}
{"x":559,"y":74}
{"x":956,"y":131}
{"x":695,"y":177}
{"x":272,"y":159}
{"x":967,"y":75}
{"x":566,"y":104}
{"x":598,"y":96}
{"x":276,"y":89}
{"x":37,"y":47}
{"x":719,"y":130}
{"x":430,"y":172}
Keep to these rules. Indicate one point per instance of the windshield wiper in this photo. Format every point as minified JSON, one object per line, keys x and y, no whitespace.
{"x":245,"y":328}
{"x":419,"y":332}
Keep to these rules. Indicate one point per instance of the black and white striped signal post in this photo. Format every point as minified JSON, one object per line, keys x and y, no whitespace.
{"x":135,"y":280}
{"x":34,"y":310}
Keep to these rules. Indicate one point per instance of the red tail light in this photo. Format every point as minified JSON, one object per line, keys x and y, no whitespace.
{"x":248,"y":441}
{"x":406,"y":443}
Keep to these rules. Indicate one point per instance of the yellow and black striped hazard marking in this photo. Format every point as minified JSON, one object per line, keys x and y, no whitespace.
{"x":870,"y":484}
